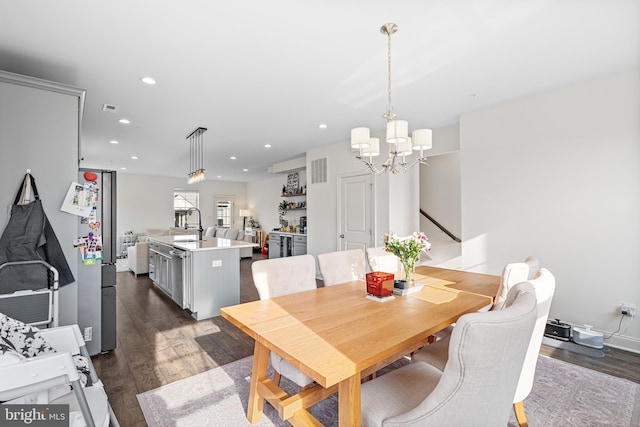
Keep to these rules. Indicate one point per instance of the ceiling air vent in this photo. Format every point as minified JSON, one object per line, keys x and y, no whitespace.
{"x":110,"y":108}
{"x":319,"y":170}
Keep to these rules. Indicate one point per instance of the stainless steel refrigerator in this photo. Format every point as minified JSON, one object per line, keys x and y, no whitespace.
{"x":97,"y":276}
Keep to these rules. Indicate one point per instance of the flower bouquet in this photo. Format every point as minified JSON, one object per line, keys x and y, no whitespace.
{"x":407,"y":249}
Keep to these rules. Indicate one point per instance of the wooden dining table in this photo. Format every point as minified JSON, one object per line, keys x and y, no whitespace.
{"x":337,"y":336}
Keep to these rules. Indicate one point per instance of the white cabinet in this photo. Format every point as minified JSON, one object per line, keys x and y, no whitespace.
{"x":164,"y":274}
{"x":299,"y":245}
{"x":275,"y":245}
{"x":286,"y":244}
{"x":212,"y":282}
{"x":160,"y":267}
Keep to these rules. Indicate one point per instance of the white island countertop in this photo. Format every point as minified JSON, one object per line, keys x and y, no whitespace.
{"x":189,"y":242}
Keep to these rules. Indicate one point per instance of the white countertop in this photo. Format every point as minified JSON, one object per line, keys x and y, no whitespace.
{"x":190,"y":242}
{"x":288,"y":232}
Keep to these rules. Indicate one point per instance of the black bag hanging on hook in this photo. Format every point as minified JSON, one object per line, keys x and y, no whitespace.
{"x":29,"y":236}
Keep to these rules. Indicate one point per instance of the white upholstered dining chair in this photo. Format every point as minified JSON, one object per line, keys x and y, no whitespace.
{"x":512,"y":273}
{"x":283,"y":276}
{"x":381,"y":260}
{"x":436,"y":354}
{"x":342,"y":266}
{"x":476,"y":387}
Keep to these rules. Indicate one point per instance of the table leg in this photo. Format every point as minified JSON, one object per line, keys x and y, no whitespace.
{"x":258,"y":373}
{"x":349,"y":402}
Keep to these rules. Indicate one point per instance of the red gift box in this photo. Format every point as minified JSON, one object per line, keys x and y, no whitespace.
{"x":380,"y":284}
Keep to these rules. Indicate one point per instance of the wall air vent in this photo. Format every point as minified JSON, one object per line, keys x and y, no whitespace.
{"x":110,"y":108}
{"x":319,"y":170}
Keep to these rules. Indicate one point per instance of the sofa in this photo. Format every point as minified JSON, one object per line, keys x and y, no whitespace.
{"x":232,"y":234}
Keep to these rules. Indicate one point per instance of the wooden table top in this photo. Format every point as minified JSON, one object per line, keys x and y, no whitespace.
{"x":334,"y":333}
{"x":477,"y":283}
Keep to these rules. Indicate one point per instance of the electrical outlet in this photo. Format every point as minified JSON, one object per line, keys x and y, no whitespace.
{"x":88,"y":333}
{"x":628,"y":309}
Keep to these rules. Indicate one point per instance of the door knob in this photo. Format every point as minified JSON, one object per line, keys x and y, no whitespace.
{"x":342,"y":236}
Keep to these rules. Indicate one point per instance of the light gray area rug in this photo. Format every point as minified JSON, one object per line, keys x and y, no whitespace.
{"x":563,"y":395}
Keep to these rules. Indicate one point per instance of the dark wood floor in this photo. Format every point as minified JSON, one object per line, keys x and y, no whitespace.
{"x":157,"y":343}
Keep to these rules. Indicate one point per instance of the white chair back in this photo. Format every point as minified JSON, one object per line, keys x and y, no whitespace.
{"x":381,"y":260}
{"x":534,"y":266}
{"x":544,"y":285}
{"x":283,"y":276}
{"x":342,"y":266}
{"x":512,"y":273}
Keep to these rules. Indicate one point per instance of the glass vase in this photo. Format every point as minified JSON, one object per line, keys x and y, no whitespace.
{"x":409,"y":266}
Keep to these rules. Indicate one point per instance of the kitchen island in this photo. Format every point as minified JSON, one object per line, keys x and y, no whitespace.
{"x":201,"y":276}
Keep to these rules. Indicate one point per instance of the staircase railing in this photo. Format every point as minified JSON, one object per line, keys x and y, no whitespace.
{"x":440,"y":226}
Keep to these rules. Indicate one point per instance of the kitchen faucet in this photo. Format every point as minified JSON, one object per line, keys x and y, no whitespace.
{"x":200,"y":229}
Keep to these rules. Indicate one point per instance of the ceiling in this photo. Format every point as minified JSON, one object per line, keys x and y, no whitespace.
{"x":259,"y":72}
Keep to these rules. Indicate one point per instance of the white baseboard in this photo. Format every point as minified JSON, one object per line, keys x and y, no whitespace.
{"x":624,"y":342}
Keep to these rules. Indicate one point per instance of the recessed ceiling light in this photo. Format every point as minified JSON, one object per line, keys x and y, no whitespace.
{"x":219,"y":176}
{"x":267,"y":145}
{"x":322,"y":126}
{"x":245,"y":170}
{"x":232,"y":157}
{"x":148,"y":80}
{"x":125,"y":121}
{"x":134,"y":157}
{"x":123,"y":168}
{"x":113,"y":141}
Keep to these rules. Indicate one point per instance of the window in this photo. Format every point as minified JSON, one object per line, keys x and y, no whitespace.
{"x":183,"y":200}
{"x":224,"y":211}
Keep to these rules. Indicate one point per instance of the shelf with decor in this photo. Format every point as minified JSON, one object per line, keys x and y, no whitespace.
{"x":295,"y":206}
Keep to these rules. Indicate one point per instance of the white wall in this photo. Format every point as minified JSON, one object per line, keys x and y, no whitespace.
{"x":395,"y":199}
{"x":440,"y":198}
{"x":146,"y":201}
{"x":557,"y":175}
{"x":264,"y":197}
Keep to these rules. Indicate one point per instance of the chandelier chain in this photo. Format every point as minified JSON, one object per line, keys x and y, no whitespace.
{"x":389,"y":108}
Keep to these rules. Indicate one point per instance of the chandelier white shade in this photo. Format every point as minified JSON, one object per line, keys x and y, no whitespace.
{"x":196,"y":155}
{"x":400,"y":143}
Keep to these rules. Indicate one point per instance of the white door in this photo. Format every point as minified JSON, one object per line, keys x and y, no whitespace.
{"x":355,"y":212}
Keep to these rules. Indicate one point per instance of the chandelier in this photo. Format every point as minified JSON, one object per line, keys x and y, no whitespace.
{"x":196,"y":155}
{"x":400,"y":144}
